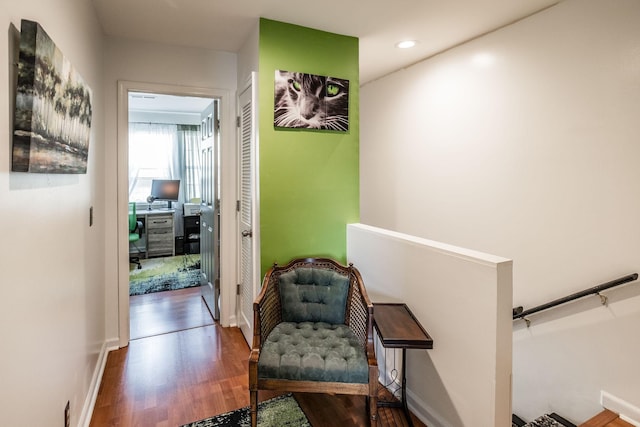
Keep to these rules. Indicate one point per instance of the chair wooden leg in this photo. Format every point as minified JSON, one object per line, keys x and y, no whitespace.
{"x":253,"y":397}
{"x":373,"y":410}
{"x":373,"y":395}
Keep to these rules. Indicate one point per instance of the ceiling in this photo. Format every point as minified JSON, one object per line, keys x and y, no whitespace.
{"x":378,"y":24}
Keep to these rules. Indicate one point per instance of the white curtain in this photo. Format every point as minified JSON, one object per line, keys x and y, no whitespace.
{"x":153,"y":153}
{"x":165,"y":151}
{"x":189,"y":140}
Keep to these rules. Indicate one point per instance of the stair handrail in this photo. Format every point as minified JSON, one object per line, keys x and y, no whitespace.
{"x":520,"y":313}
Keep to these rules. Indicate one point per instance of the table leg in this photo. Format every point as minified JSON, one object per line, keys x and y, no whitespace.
{"x":403,"y":404}
{"x":404,"y":388}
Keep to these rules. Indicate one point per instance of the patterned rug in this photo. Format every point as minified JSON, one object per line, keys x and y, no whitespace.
{"x":164,"y":274}
{"x":547,"y":420}
{"x":281,"y":411}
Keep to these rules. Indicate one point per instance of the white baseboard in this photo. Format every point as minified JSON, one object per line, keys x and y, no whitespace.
{"x":233,"y":321}
{"x":96,"y":380}
{"x":424,"y":412}
{"x":628,"y":412}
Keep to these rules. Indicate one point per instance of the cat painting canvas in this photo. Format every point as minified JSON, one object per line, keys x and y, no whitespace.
{"x":311,"y":101}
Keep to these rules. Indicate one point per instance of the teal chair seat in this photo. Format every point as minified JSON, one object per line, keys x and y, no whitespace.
{"x":310,"y":351}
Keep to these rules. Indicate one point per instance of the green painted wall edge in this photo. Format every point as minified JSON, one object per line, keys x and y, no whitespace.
{"x":309,"y":180}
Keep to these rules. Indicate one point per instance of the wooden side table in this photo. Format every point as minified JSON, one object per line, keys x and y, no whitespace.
{"x":397,"y":327}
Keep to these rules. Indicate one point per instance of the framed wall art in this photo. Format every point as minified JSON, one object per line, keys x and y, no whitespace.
{"x":309,"y":101}
{"x":53,"y":108}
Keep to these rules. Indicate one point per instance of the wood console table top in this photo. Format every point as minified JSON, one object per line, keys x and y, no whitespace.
{"x":398,"y":327}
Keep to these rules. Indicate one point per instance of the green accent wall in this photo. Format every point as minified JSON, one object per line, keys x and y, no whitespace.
{"x":309,"y":179}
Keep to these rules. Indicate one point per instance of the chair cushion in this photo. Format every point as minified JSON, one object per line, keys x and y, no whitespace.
{"x":313,"y":295}
{"x":311,"y":351}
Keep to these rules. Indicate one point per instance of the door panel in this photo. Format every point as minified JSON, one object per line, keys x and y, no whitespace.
{"x":209,"y":213}
{"x":247,"y":211}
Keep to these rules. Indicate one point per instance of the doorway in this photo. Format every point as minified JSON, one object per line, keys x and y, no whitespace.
{"x":226,"y":187}
{"x":166,"y":182}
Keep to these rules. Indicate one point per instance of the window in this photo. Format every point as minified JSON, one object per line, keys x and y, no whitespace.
{"x":189,"y":141}
{"x":163,"y":151}
{"x":153,"y":153}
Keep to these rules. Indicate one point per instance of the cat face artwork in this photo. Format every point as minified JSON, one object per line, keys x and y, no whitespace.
{"x":311,"y":101}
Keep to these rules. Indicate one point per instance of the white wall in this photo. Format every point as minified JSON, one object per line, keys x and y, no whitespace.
{"x":465,"y":380}
{"x":524,"y":143}
{"x":165,"y":117}
{"x":170,"y":65}
{"x":248,"y":57}
{"x":51,"y":261}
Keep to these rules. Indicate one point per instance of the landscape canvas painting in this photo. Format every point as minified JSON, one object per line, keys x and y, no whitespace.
{"x":311,"y":102}
{"x":53,"y":108}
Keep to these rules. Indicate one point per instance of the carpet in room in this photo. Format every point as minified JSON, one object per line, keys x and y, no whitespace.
{"x":281,"y":411}
{"x":547,"y":420}
{"x":164,"y":274}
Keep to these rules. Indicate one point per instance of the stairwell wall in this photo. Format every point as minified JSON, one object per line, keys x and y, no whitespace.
{"x":524,"y":143}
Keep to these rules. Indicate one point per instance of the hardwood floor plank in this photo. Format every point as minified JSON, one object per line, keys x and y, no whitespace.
{"x":605,"y":418}
{"x":600,"y":419}
{"x":164,"y":312}
{"x":619,"y":423}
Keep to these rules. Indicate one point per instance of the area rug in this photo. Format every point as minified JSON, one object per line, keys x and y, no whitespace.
{"x":547,"y":420}
{"x":165,"y":274}
{"x":281,"y":411}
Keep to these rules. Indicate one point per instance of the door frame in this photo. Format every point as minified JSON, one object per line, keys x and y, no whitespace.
{"x":228,"y":250}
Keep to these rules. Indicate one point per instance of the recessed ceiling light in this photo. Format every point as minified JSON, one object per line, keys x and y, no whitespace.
{"x":406,"y":44}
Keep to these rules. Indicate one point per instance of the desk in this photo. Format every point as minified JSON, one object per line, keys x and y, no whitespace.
{"x":397,"y":327}
{"x":158,"y":235}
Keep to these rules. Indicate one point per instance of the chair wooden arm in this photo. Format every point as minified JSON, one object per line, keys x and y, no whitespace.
{"x":267,"y":311}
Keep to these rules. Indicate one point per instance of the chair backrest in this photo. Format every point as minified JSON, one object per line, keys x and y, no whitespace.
{"x":313,"y":294}
{"x":132,"y":217}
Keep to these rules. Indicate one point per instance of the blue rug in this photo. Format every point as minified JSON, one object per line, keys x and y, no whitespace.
{"x":164,"y":274}
{"x":281,"y":411}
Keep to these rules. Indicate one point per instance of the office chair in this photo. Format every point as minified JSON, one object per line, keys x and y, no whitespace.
{"x":135,"y":234}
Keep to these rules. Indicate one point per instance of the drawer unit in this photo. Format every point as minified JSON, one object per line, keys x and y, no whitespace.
{"x":160,"y":235}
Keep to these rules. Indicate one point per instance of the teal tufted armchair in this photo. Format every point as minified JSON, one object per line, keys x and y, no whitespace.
{"x":313,"y":326}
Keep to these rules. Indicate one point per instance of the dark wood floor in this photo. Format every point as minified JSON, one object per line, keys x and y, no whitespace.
{"x":173,"y":378}
{"x":606,"y":418}
{"x":165,"y":312}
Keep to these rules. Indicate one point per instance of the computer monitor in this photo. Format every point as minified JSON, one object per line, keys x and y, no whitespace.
{"x":165,"y":189}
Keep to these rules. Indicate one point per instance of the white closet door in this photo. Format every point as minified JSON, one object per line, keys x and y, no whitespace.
{"x":247,"y":215}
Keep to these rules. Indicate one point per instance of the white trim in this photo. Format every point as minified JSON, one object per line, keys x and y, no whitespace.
{"x":463,"y":253}
{"x":96,"y":380}
{"x":424,"y":412}
{"x":257,"y":260}
{"x":627,"y":411}
{"x":233,"y":321}
{"x":251,"y":84}
{"x":227,"y":242}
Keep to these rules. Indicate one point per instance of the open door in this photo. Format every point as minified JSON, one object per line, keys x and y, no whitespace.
{"x":210,"y":210}
{"x":247,"y":209}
